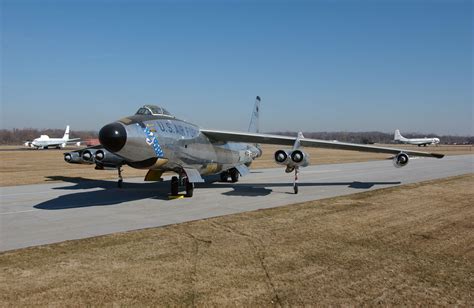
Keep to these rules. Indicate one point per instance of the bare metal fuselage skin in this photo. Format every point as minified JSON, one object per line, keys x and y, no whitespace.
{"x":180,"y":145}
{"x":153,"y":139}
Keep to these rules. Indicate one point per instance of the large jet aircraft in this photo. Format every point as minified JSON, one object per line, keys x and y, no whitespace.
{"x":418,"y":141}
{"x":44,"y":142}
{"x":154,"y":139}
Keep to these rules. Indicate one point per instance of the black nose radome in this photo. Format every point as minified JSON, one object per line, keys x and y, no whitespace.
{"x":113,"y":136}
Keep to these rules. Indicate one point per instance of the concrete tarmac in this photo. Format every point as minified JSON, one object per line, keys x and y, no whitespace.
{"x":77,"y":208}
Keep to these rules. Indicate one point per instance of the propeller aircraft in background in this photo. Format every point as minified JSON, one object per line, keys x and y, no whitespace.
{"x":417,"y":141}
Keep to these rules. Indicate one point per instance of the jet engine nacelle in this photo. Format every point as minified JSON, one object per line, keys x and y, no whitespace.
{"x":101,"y":157}
{"x":401,"y":160}
{"x":73,"y":158}
{"x":258,"y":153}
{"x":106,"y":159}
{"x":291,"y":159}
{"x":299,"y":158}
{"x":282,"y":157}
{"x":88,"y":155}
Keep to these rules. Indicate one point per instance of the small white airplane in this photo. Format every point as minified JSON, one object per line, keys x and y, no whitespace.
{"x":418,"y":141}
{"x":44,"y":142}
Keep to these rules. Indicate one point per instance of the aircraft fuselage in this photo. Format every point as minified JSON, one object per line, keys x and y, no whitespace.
{"x":170,"y":144}
{"x":420,"y":141}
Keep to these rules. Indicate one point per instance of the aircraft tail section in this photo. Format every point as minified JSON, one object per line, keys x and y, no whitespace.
{"x":398,"y":136}
{"x":254,"y":126}
{"x":66,"y":133}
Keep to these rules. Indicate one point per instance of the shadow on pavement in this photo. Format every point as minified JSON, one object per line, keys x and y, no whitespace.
{"x":109,"y":194}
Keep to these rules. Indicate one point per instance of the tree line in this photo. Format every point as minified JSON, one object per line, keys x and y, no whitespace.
{"x":19,"y":136}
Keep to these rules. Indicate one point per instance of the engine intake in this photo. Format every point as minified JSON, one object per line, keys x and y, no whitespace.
{"x":99,"y":155}
{"x":297,"y":156}
{"x":401,"y":160}
{"x":72,"y":158}
{"x":292,"y":159}
{"x":75,"y":158}
{"x":281,"y":157}
{"x":87,"y":155}
{"x":107,"y":159}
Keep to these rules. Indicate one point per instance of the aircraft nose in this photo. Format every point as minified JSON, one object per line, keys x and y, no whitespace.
{"x":113,"y":136}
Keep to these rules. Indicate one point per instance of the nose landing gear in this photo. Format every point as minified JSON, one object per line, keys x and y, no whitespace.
{"x":120,"y":180}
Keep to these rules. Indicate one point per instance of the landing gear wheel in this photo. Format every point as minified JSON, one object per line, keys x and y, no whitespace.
{"x":224,"y":176}
{"x":295,"y":188}
{"x":120,"y":183}
{"x":174,"y":186}
{"x":189,"y":189}
{"x":234,"y":175}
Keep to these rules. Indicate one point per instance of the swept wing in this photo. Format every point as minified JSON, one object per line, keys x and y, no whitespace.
{"x":224,"y":136}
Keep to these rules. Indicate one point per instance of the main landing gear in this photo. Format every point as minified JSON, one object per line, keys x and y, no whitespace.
{"x":232,"y":173}
{"x":181,"y":181}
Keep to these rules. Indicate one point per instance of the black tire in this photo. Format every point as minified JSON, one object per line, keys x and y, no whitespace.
{"x":174,"y":186}
{"x":234,"y":175}
{"x":189,"y":189}
{"x":295,"y":188}
{"x":120,"y":183}
{"x":224,"y":176}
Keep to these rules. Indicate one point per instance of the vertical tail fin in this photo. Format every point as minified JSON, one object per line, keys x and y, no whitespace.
{"x":66,"y":133}
{"x":298,"y":141}
{"x":397,"y":136}
{"x":254,"y":126}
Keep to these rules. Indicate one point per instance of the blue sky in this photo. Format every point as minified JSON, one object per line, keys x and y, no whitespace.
{"x":318,"y":65}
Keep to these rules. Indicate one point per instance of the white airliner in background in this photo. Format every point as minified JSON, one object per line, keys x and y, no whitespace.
{"x":418,"y":141}
{"x":44,"y":142}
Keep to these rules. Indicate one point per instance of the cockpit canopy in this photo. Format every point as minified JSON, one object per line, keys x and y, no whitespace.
{"x":153,"y":110}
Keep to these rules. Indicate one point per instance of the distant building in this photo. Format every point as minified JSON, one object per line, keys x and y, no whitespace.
{"x":92,"y":142}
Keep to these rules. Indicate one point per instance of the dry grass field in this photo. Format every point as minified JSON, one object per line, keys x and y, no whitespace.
{"x":410,"y":245}
{"x":21,"y":167}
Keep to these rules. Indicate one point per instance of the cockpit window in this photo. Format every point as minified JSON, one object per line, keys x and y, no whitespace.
{"x":143,"y":111}
{"x":165,"y":112}
{"x":153,"y":110}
